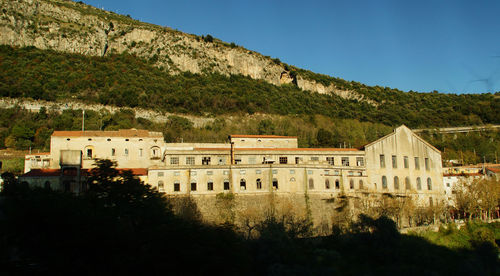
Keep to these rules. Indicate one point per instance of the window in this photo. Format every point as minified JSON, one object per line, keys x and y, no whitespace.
{"x":258,"y":172}
{"x":243,"y":171}
{"x":345,"y":161}
{"x":113,"y":152}
{"x":243,"y":184}
{"x":314,"y":158}
{"x":193,"y":173}
{"x":210,"y":185}
{"x":155,"y":153}
{"x":337,"y":184}
{"x":222,"y":160}
{"x":275,"y":171}
{"x":448,"y":185}
{"x":292,"y":179}
{"x":382,"y":161}
{"x":419,"y":184}
{"x":384,"y":182}
{"x":252,"y":160}
{"x":405,"y":161}
{"x":361,"y":185}
{"x":327,"y":172}
{"x":430,"y":202}
{"x":336,"y":172}
{"x":360,"y":161}
{"x":46,"y":185}
{"x":126,"y":152}
{"x":311,"y":184}
{"x":396,"y":183}
{"x":327,"y":184}
{"x":226,"y":185}
{"x":427,"y":165}
{"x":127,"y":140}
{"x":429,"y":183}
{"x":275,"y":184}
{"x":140,"y":152}
{"x":297,"y":160}
{"x":205,"y":160}
{"x":407,"y":183}
{"x":161,"y":187}
{"x":177,"y":186}
{"x":190,"y":160}
{"x":210,"y":172}
{"x":176,"y":173}
{"x":309,"y":172}
{"x":258,"y":184}
{"x":283,"y":160}
{"x":174,"y":160}
{"x":225,"y":172}
{"x":292,"y":171}
{"x":160,"y":174}
{"x":417,"y":164}
{"x":394,"y":162}
{"x":351,"y":184}
{"x":193,"y":186}
{"x":330,"y":160}
{"x":350,"y":173}
{"x":89,"y":153}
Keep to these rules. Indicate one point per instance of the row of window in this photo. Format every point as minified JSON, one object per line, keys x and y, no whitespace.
{"x":407,"y":183}
{"x":221,"y":160}
{"x":258,"y":184}
{"x":406,"y":163}
{"x":274,"y":171}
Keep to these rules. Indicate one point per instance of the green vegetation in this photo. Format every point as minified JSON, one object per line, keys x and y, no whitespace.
{"x":121,"y":226}
{"x":12,"y":165}
{"x":128,"y":81}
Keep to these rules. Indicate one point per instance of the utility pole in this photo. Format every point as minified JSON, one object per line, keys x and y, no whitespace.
{"x":83,"y":120}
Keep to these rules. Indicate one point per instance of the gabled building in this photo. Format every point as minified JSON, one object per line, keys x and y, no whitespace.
{"x":400,"y":163}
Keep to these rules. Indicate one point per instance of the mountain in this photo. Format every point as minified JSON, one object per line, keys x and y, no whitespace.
{"x":75,"y":27}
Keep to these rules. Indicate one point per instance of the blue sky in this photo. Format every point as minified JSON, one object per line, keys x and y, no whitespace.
{"x":451,"y":46}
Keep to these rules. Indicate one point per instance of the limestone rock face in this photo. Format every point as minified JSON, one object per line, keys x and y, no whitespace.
{"x":68,"y":26}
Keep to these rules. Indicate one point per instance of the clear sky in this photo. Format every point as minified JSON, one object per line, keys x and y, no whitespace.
{"x":451,"y":46}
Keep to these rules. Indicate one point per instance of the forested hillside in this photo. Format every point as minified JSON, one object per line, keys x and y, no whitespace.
{"x":128,"y":81}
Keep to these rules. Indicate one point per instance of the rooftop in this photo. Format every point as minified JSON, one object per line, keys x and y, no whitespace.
{"x":110,"y":133}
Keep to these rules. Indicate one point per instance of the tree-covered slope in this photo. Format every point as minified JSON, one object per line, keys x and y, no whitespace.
{"x":129,"y":81}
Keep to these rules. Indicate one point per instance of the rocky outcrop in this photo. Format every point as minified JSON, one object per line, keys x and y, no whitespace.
{"x":78,"y":28}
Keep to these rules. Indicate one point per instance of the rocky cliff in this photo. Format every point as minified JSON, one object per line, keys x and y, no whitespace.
{"x":78,"y":28}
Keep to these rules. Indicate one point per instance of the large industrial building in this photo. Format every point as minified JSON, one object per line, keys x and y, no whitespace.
{"x":400,"y":163}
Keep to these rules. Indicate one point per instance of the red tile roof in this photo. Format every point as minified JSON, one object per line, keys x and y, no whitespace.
{"x":57,"y":172}
{"x":112,"y":133}
{"x":495,"y":170}
{"x":260,"y":136}
{"x":462,"y":174}
{"x":282,"y":149}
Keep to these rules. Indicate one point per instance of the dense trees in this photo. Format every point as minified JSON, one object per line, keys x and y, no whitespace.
{"x":128,"y":81}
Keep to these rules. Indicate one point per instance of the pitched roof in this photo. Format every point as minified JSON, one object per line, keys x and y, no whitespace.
{"x":394,"y":133}
{"x":494,"y":169}
{"x":111,"y":133}
{"x":261,"y":136}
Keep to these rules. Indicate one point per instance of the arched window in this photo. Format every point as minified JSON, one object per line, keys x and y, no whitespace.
{"x":311,"y":183}
{"x":259,"y":184}
{"x":327,"y":184}
{"x":275,"y":183}
{"x":155,"y":152}
{"x":292,"y":179}
{"x":407,"y":183}
{"x":396,"y":183}
{"x":361,"y":184}
{"x":384,"y":182}
{"x":88,"y":152}
{"x":419,"y":184}
{"x":429,"y":183}
{"x":243,"y":184}
{"x":337,"y":184}
{"x":351,"y":184}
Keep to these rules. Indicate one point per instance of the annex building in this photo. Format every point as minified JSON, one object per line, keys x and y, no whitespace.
{"x":400,"y":163}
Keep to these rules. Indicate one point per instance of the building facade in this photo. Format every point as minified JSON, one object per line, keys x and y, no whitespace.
{"x":400,"y":163}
